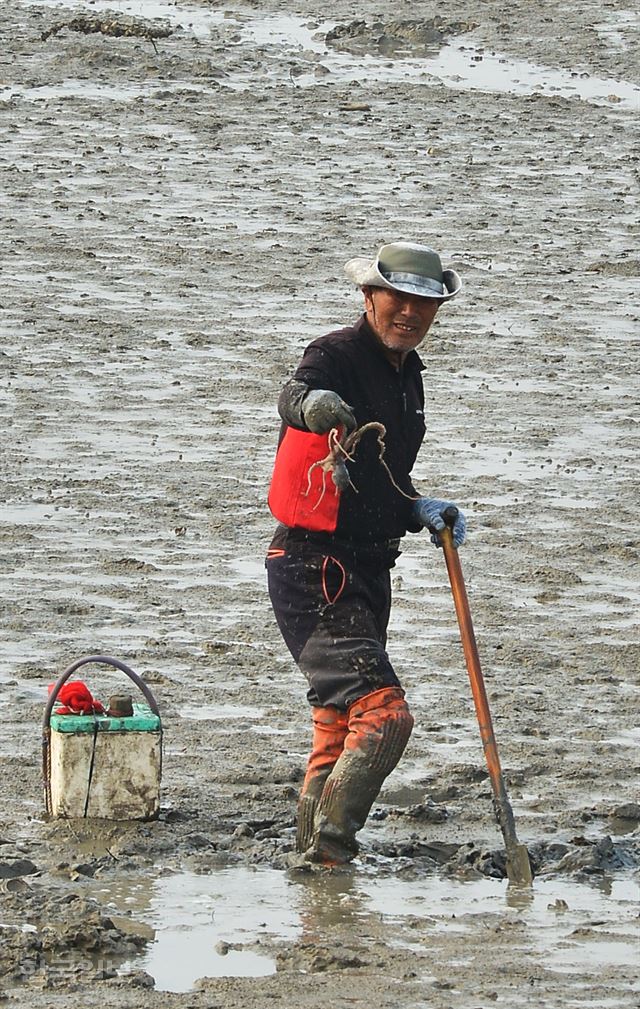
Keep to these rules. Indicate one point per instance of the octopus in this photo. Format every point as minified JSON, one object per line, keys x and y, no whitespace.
{"x":342,"y":450}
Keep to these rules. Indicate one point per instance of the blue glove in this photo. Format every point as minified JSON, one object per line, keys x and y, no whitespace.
{"x":429,"y":510}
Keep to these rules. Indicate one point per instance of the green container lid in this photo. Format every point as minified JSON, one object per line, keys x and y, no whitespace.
{"x":142,"y":720}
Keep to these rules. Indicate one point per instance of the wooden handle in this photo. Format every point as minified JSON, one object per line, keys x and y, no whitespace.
{"x":518,"y":863}
{"x":472,"y":659}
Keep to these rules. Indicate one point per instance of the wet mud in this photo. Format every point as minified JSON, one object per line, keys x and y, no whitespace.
{"x":405,"y":37}
{"x":174,"y":228}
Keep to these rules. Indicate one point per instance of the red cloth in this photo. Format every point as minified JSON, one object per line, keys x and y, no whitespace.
{"x":76,"y":699}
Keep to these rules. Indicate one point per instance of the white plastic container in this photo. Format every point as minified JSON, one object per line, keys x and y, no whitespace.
{"x":106,"y":767}
{"x":99,"y":766}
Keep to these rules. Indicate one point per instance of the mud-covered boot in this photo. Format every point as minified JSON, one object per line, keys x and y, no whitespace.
{"x":329,"y":731}
{"x":379,"y":728}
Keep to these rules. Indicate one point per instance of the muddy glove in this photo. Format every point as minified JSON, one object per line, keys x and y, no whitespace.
{"x":323,"y":409}
{"x":429,"y":511}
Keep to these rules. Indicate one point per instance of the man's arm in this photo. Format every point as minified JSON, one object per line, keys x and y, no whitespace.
{"x":290,"y":402}
{"x":317,"y":410}
{"x":315,"y":399}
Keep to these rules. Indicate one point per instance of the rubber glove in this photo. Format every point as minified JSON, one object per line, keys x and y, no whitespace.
{"x":323,"y":410}
{"x":429,"y":510}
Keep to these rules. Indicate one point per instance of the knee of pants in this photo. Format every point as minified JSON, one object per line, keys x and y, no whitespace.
{"x":342,"y":669}
{"x":380,"y":724}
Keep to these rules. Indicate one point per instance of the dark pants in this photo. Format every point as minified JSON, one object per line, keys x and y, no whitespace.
{"x":332,"y":605}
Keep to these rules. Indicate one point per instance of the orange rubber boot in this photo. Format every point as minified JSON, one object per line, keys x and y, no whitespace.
{"x":379,"y":726}
{"x":329,"y":731}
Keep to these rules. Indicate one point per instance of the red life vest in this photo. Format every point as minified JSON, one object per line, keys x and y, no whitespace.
{"x":301,"y":494}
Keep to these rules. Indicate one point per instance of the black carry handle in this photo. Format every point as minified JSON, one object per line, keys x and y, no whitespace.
{"x":104,"y":660}
{"x":450,"y":515}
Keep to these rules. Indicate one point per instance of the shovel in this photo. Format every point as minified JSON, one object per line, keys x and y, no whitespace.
{"x":518,"y":864}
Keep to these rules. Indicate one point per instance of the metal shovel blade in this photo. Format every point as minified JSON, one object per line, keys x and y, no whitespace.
{"x":519,"y":871}
{"x":518,"y":866}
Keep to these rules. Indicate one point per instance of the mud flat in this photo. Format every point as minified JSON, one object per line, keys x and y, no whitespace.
{"x":181,"y":185}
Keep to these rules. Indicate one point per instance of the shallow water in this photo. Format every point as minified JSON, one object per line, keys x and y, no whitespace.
{"x":212,"y":712}
{"x":209,"y":925}
{"x":459,"y":65}
{"x":193,"y":914}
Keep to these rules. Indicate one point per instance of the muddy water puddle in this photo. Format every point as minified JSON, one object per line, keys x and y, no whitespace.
{"x":227,"y":923}
{"x":205,"y":926}
{"x":460,"y":65}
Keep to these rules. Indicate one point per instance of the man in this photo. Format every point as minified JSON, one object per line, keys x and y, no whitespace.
{"x":343,"y":495}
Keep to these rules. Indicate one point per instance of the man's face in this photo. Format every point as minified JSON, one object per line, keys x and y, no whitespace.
{"x":401,"y":321}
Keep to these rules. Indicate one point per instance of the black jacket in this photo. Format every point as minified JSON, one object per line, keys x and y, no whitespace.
{"x":351,"y":362}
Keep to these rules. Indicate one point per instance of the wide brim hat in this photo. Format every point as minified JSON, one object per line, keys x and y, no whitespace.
{"x":405,"y":266}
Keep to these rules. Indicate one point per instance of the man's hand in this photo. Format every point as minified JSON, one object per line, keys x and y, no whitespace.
{"x":429,"y":511}
{"x":323,"y":410}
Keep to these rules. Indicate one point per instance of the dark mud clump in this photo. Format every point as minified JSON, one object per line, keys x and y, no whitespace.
{"x":110,"y":25}
{"x":62,"y":934}
{"x":579,"y":858}
{"x":400,"y":37}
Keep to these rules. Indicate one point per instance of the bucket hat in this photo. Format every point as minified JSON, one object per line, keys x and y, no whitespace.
{"x":405,"y":266}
